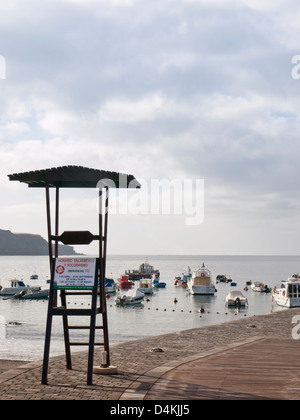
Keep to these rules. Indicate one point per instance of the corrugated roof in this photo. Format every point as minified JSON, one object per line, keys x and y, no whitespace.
{"x":75,"y":177}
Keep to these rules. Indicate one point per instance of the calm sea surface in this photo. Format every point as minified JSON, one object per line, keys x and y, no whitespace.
{"x":22,"y":323}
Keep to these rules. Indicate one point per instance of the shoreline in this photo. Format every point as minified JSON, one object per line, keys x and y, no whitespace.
{"x":136,"y":359}
{"x":7,"y":364}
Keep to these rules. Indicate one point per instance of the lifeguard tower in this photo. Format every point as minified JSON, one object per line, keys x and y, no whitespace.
{"x":88,"y":281}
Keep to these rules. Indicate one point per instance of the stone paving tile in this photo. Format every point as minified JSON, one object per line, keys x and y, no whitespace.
{"x":135,"y":361}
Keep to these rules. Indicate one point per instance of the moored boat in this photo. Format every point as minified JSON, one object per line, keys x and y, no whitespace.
{"x":200,"y":283}
{"x":257,"y":286}
{"x":145,"y":286}
{"x":157,"y":283}
{"x":110,"y":286}
{"x":125,"y":283}
{"x":131,"y":297}
{"x":16,"y":286}
{"x":222,"y":278}
{"x":236,"y":298}
{"x":183,"y":279}
{"x":32,"y":294}
{"x":288,"y":294}
{"x":145,"y":271}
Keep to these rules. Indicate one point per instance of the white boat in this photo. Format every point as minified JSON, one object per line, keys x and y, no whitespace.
{"x":182,"y":280}
{"x":257,"y":286}
{"x":200,"y":283}
{"x":146,"y":286}
{"x":32,"y":293}
{"x":16,"y":286}
{"x":132,"y":297}
{"x":288,"y":294}
{"x":236,"y":298}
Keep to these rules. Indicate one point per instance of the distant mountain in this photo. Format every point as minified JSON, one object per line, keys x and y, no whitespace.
{"x":27,"y":244}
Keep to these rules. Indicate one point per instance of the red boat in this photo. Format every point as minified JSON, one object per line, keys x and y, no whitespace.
{"x":125,"y":283}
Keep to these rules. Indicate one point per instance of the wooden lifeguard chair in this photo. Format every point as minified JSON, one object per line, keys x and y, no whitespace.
{"x":92,"y":284}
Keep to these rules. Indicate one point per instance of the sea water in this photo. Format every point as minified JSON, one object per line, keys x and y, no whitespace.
{"x":22,"y":323}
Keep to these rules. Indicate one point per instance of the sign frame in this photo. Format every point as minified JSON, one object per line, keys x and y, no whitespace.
{"x":75,"y":273}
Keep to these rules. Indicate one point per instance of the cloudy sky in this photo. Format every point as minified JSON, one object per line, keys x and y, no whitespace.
{"x":162,"y":89}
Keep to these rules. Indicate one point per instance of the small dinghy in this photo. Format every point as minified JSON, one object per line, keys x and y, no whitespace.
{"x":236,"y":299}
{"x":132,"y":297}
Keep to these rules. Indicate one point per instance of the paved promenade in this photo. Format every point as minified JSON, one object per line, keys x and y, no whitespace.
{"x":204,"y":363}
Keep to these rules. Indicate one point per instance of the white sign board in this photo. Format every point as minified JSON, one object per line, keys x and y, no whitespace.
{"x":75,"y":273}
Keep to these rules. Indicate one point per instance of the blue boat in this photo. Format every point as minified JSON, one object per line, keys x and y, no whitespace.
{"x":158,"y":284}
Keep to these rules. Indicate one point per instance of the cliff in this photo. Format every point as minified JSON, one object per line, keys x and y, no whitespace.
{"x":27,"y":244}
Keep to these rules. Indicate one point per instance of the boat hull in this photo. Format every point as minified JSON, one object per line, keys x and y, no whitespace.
{"x":146,"y":290}
{"x":122,"y":301}
{"x":287,"y":302}
{"x":11,"y":291}
{"x":239,"y":304}
{"x":202,"y":290}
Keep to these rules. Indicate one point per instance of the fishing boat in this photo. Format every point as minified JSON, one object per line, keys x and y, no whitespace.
{"x":145,"y":286}
{"x":236,"y":298}
{"x":110,"y":286}
{"x":16,"y":286}
{"x":131,"y":297}
{"x":200,"y":283}
{"x":288,"y":294}
{"x":124,"y":282}
{"x":257,"y":286}
{"x":145,"y":271}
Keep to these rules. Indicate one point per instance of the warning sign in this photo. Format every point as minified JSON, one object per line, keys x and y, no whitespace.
{"x":75,"y":273}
